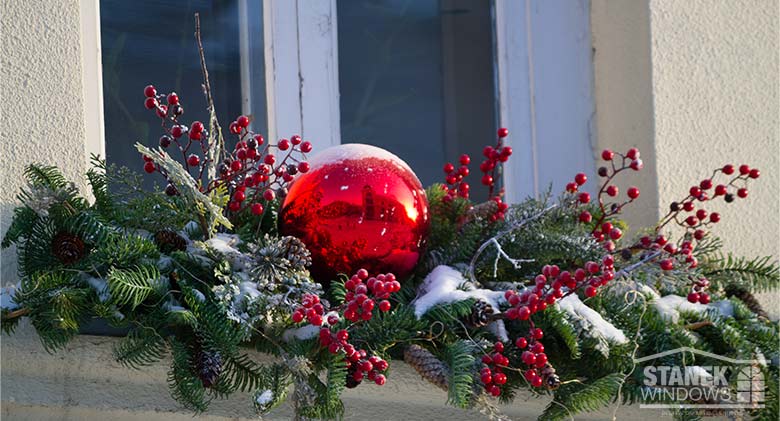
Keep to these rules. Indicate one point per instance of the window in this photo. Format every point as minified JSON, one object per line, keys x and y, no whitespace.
{"x":416,"y":78}
{"x":152,"y":41}
{"x":426,"y":79}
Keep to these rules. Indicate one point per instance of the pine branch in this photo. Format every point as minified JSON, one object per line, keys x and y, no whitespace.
{"x":132,"y":286}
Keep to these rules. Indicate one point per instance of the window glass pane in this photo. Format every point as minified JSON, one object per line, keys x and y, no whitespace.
{"x":416,"y":77}
{"x":152,"y":41}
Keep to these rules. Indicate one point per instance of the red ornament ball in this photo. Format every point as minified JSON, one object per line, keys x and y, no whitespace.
{"x":358,"y":206}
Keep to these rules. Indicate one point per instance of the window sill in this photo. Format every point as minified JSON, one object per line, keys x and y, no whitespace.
{"x":83,"y":382}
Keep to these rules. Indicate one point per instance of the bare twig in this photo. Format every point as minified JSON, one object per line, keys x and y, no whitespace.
{"x":17,"y":313}
{"x":216,"y":151}
{"x":494,"y":240}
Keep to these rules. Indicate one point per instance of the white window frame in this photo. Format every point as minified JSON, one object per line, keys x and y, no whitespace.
{"x":544,"y":83}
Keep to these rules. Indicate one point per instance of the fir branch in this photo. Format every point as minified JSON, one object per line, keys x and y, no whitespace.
{"x":460,"y":359}
{"x":759,"y":274}
{"x":142,"y":346}
{"x":132,"y":286}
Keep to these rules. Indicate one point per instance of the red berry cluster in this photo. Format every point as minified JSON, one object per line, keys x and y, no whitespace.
{"x":311,"y":308}
{"x":690,"y":214}
{"x":548,"y":287}
{"x":359,"y":301}
{"x":698,"y":294}
{"x":492,"y":374}
{"x":495,"y":156}
{"x":456,"y":187}
{"x":251,"y":172}
{"x":533,"y":357}
{"x":603,"y":231}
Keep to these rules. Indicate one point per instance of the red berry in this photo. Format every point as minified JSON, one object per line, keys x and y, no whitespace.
{"x":239,"y":196}
{"x":149,"y":167}
{"x":297,"y":316}
{"x":688,"y":206}
{"x":667,"y":264}
{"x":590,"y":291}
{"x":486,"y":378}
{"x":283,"y":145}
{"x":728,"y":169}
{"x":384,"y":306}
{"x":755,"y":173}
{"x":257,"y":209}
{"x":693,"y":297}
{"x":498,"y":346}
{"x":269,"y":159}
{"x":465,"y":159}
{"x":744,"y":169}
{"x":295,"y":140}
{"x":177,"y":131}
{"x":615,"y":233}
{"x":580,"y":178}
{"x":632,"y":153}
{"x":571,"y":187}
{"x":234,"y":206}
{"x":695,"y":191}
{"x":584,"y":197}
{"x":538,"y":334}
{"x":714,"y":217}
{"x":150,"y":103}
{"x":234,"y":128}
{"x":303,"y":167}
{"x":306,"y":147}
{"x":236,"y":165}
{"x":269,"y":195}
{"x":701,"y":214}
{"x":503,"y":132}
{"x":162,"y":111}
{"x":633,"y":192}
{"x":448,"y":168}
{"x":521,"y":343}
{"x":193,"y":160}
{"x":150,"y":91}
{"x":173,"y":98}
{"x":585,"y":217}
{"x":528,"y":357}
{"x":487,"y":180}
{"x":196,"y":127}
{"x":243,"y":121}
{"x":720,"y":190}
{"x":743,"y":192}
{"x":691,"y":220}
{"x":637,"y":164}
{"x":499,"y":378}
{"x":607,"y":155}
{"x":705,"y":184}
{"x":612,"y":191}
{"x":704,"y":298}
{"x":523,"y":313}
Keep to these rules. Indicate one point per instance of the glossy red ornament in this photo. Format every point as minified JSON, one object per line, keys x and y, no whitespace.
{"x":358,"y":206}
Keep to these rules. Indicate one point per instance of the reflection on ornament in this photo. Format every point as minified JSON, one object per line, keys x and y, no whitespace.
{"x":359,"y":206}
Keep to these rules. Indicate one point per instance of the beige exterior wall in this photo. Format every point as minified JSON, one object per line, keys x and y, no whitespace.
{"x":43,"y":105}
{"x":694,"y":84}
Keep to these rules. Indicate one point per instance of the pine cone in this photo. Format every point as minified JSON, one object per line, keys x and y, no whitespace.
{"x":296,"y":252}
{"x":169,"y":241}
{"x":550,"y":379}
{"x":429,"y":367}
{"x":208,"y":367}
{"x":744,"y":295}
{"x":480,"y":314}
{"x":68,"y":248}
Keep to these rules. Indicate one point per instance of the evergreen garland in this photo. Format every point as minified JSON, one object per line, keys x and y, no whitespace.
{"x":199,"y":282}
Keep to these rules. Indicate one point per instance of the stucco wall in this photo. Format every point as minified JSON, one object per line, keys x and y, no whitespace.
{"x":715,"y":89}
{"x":42,"y":104}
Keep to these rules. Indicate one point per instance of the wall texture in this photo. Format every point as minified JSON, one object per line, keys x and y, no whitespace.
{"x":715,"y":90}
{"x":42,"y":104}
{"x":623,"y":91}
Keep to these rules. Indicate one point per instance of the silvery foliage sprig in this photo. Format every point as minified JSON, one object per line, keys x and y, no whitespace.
{"x":41,"y":198}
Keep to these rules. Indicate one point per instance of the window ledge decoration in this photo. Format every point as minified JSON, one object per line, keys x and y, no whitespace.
{"x":340,"y":265}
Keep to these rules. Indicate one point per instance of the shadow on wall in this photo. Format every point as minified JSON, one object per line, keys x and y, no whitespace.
{"x":8,"y":265}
